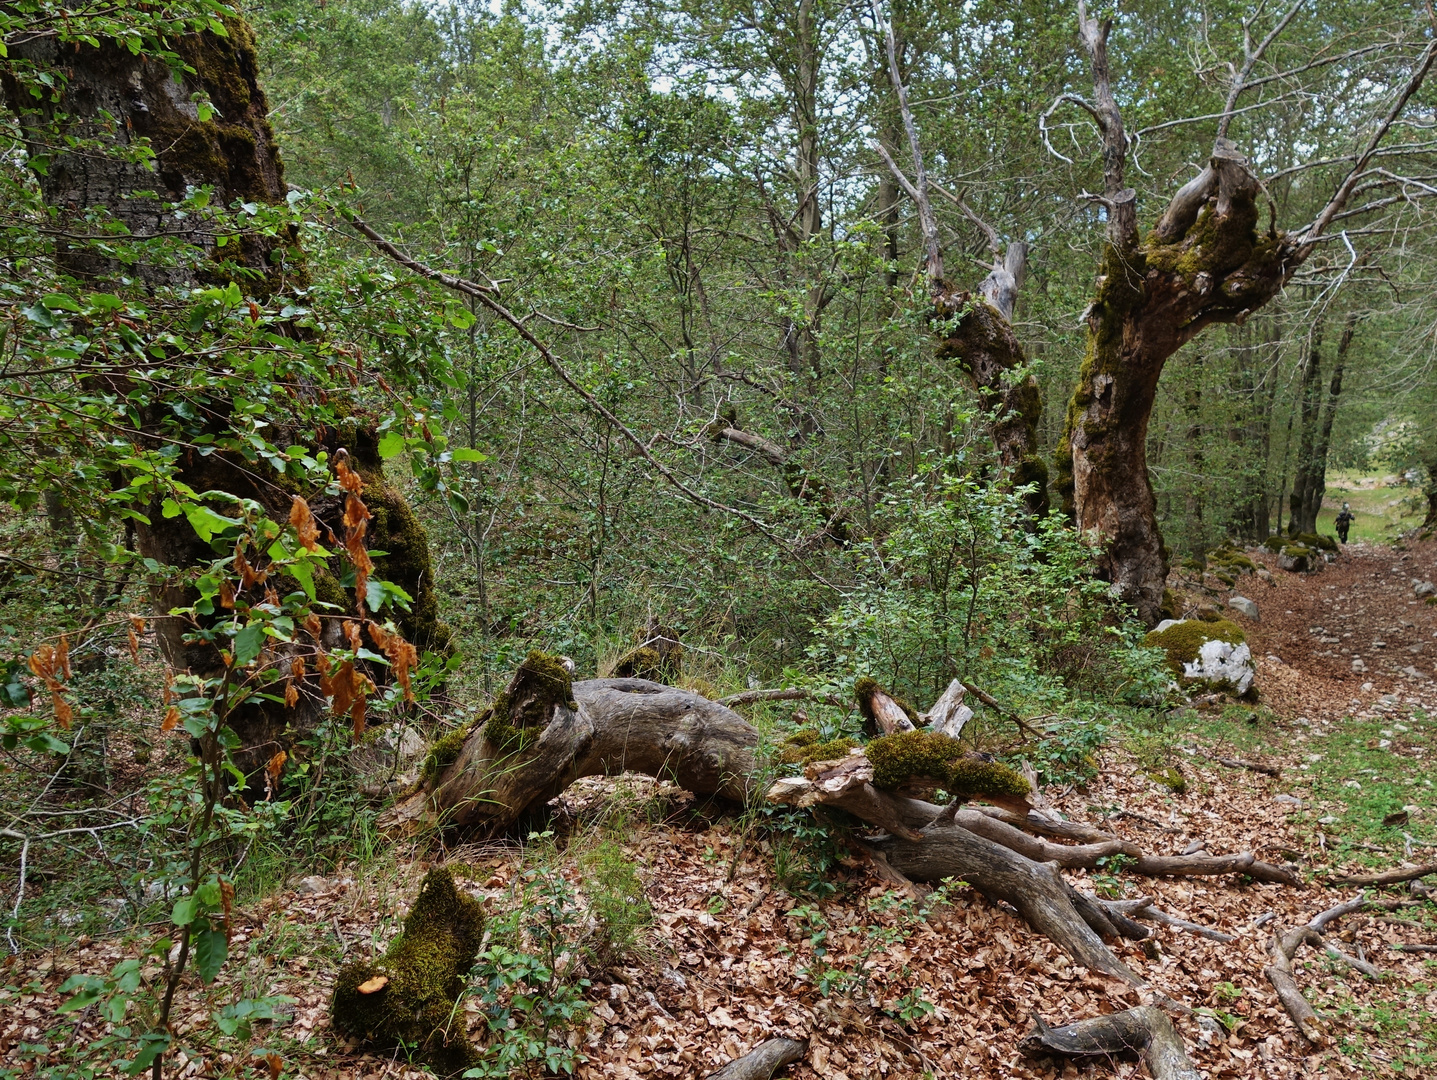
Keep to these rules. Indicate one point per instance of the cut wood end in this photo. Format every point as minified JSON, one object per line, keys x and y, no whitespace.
{"x":374,"y":985}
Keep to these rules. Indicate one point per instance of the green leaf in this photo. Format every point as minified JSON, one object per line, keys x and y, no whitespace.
{"x":45,"y":743}
{"x":374,"y":594}
{"x":58,"y":301}
{"x":39,"y":316}
{"x":303,"y":573}
{"x":465,"y":453}
{"x":391,"y":445}
{"x":152,"y":1045}
{"x":206,"y":522}
{"x":184,"y":911}
{"x":248,"y":643}
{"x":211,"y":949}
{"x":171,"y":509}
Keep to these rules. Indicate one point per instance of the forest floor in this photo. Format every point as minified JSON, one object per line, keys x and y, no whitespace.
{"x":885,"y":987}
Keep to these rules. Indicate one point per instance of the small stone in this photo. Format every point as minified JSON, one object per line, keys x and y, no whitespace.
{"x":1243,"y":606}
{"x":312,"y":886}
{"x":1367,"y":687}
{"x":1359,"y":665}
{"x":1352,"y":784}
{"x":1289,"y":800}
{"x":1328,"y":820}
{"x":1423,"y":589}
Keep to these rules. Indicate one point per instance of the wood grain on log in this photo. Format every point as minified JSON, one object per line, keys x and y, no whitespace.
{"x":763,"y":1060}
{"x":621,"y":725}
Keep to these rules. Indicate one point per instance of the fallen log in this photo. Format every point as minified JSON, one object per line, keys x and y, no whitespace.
{"x":763,"y":1060}
{"x":544,"y":732}
{"x":1144,"y":1032}
{"x":783,"y":694}
{"x":1207,"y":865}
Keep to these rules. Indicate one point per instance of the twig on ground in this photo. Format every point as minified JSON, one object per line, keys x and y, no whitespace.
{"x":1387,"y":877}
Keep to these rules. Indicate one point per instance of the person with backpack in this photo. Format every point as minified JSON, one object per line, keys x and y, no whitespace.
{"x":1344,"y":522}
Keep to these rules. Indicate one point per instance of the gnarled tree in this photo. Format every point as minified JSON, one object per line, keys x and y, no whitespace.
{"x":1207,"y":260}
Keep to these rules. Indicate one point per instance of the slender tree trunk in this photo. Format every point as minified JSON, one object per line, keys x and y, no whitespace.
{"x":1309,"y":410}
{"x":1317,"y":480}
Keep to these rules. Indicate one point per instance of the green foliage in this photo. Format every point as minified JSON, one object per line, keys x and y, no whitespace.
{"x":616,"y":900}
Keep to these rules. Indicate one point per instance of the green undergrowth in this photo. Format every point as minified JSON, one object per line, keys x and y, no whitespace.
{"x":1343,"y":772}
{"x":1402,"y":1026}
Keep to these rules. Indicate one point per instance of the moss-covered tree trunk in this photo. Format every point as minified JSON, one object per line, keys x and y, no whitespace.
{"x":110,"y":101}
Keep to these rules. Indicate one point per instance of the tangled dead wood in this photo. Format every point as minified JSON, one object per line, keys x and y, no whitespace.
{"x":545,"y":731}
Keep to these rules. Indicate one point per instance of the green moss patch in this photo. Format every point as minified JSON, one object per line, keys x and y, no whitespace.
{"x":805,"y":746}
{"x":1313,"y":540}
{"x":521,"y":713}
{"x":443,"y":752}
{"x":909,"y":755}
{"x":1183,"y":641}
{"x":423,"y":972}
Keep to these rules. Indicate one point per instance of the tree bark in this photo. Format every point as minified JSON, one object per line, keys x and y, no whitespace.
{"x":1311,"y":483}
{"x":988,"y":351}
{"x":806,"y":487}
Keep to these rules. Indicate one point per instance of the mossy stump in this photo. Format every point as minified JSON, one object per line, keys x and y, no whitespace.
{"x":522,"y":712}
{"x":407,"y":998}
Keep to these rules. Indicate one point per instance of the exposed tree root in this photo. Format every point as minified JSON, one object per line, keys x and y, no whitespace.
{"x":1144,"y":1032}
{"x":1284,"y":947}
{"x":763,"y":1060}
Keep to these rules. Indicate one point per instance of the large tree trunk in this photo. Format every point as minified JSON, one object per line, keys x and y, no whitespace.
{"x":1205,"y":262}
{"x":111,"y":95}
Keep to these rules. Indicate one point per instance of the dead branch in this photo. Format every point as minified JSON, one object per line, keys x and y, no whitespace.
{"x":1143,"y":1032}
{"x":788,"y":694}
{"x":1243,"y":763}
{"x":1279,"y":973}
{"x":1388,"y":877}
{"x":763,"y":1060}
{"x":1143,"y":909}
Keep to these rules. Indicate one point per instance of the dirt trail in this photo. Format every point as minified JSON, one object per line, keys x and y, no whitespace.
{"x":1361,"y":610}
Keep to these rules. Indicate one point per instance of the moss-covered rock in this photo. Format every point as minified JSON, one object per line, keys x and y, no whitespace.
{"x":407,"y":998}
{"x":1184,"y":640}
{"x":1313,"y":540}
{"x":926,"y":755}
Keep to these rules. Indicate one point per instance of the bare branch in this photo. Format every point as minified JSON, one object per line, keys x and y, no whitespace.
{"x":995,"y":243}
{"x":485,"y":296}
{"x":918,"y":190}
{"x":1339,"y":199}
{"x":1121,"y":200}
{"x":1240,"y":83}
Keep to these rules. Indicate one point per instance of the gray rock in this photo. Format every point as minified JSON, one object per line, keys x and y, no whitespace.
{"x":1165,"y":624}
{"x":312,"y":886}
{"x":1423,"y":588}
{"x":1298,"y":562}
{"x":1225,"y":665}
{"x":1358,"y":664}
{"x":1266,"y":575}
{"x":1244,"y":606}
{"x":1289,"y":800}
